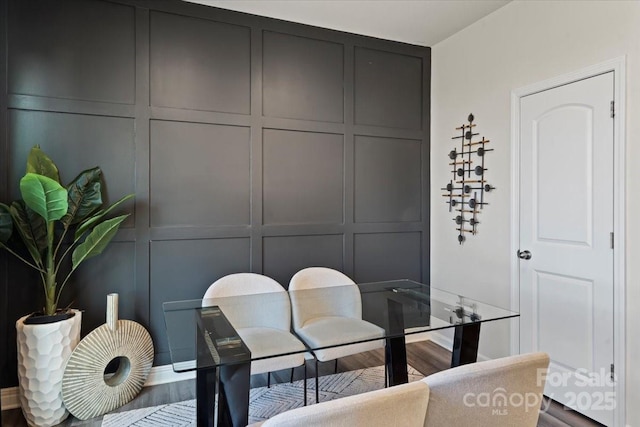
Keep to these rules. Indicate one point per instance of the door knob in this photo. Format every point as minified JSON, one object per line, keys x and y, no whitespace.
{"x":524,"y":254}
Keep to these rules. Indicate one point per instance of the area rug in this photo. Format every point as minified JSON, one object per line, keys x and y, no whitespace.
{"x":264,"y":402}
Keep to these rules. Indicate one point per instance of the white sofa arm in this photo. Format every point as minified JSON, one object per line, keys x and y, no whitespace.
{"x":400,"y":406}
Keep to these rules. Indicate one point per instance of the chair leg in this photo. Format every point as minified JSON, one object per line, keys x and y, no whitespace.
{"x":335,"y":367}
{"x":268,"y":379}
{"x":291,"y":377}
{"x":386,"y":376}
{"x":305,"y":383}
{"x":386,"y":368}
{"x":317,"y":392}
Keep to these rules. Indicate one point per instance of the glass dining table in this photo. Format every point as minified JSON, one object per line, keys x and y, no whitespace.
{"x":201,"y":338}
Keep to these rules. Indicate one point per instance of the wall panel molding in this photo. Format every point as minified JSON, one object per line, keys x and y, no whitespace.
{"x":51,"y":41}
{"x":252,"y":144}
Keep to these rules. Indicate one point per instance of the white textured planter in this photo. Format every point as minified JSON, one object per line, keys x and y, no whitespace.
{"x":43,"y":351}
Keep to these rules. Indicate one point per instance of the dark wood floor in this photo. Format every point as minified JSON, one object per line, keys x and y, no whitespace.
{"x":425,"y":356}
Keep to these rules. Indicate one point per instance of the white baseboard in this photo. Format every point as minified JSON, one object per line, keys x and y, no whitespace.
{"x":10,"y":399}
{"x":422,"y":336}
{"x":446,"y":342}
{"x":158,"y":375}
{"x":442,"y":340}
{"x":165,"y":374}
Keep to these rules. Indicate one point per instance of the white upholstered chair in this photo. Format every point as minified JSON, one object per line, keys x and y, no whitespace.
{"x":325,"y":317}
{"x":400,"y":406}
{"x":503,"y":392}
{"x":263,"y":321}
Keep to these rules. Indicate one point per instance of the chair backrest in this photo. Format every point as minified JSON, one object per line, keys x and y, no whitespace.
{"x":263,"y":302}
{"x":401,"y":406}
{"x":342,"y":299}
{"x":502,"y":392}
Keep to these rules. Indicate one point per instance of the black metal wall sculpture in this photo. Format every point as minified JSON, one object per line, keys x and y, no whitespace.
{"x":465,"y":192}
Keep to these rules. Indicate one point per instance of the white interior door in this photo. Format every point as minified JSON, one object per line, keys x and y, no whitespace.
{"x":566,"y":224}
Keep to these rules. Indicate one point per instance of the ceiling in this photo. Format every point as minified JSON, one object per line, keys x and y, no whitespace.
{"x":420,"y":22}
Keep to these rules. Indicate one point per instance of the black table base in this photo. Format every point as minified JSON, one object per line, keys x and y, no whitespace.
{"x":233,"y":396}
{"x":396,"y":361}
{"x":234,"y":379}
{"x":205,"y":396}
{"x":396,"y":349}
{"x":465,"y":344}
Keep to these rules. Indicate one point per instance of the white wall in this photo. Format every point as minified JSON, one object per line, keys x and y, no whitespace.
{"x":475,"y":71}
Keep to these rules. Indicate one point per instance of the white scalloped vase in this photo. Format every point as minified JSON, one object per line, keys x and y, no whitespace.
{"x":43,"y":351}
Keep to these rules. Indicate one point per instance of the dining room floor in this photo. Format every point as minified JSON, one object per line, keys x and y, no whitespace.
{"x":425,"y":356}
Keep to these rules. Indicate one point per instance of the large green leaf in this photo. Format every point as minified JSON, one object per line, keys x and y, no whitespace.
{"x":45,"y":196}
{"x":85,"y":196}
{"x":41,"y":164}
{"x":97,"y":217}
{"x":39,"y":228}
{"x":97,"y":240}
{"x":6,"y":224}
{"x":31,"y":227}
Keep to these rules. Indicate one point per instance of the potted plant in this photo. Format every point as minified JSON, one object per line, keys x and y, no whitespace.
{"x":53,"y":222}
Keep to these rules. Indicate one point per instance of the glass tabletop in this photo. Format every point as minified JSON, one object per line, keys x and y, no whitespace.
{"x":201,"y":335}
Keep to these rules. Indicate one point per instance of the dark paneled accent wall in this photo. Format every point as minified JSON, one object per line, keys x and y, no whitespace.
{"x":251,"y":144}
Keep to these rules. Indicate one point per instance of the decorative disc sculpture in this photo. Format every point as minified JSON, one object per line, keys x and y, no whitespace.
{"x":89,"y":389}
{"x":465,"y":192}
